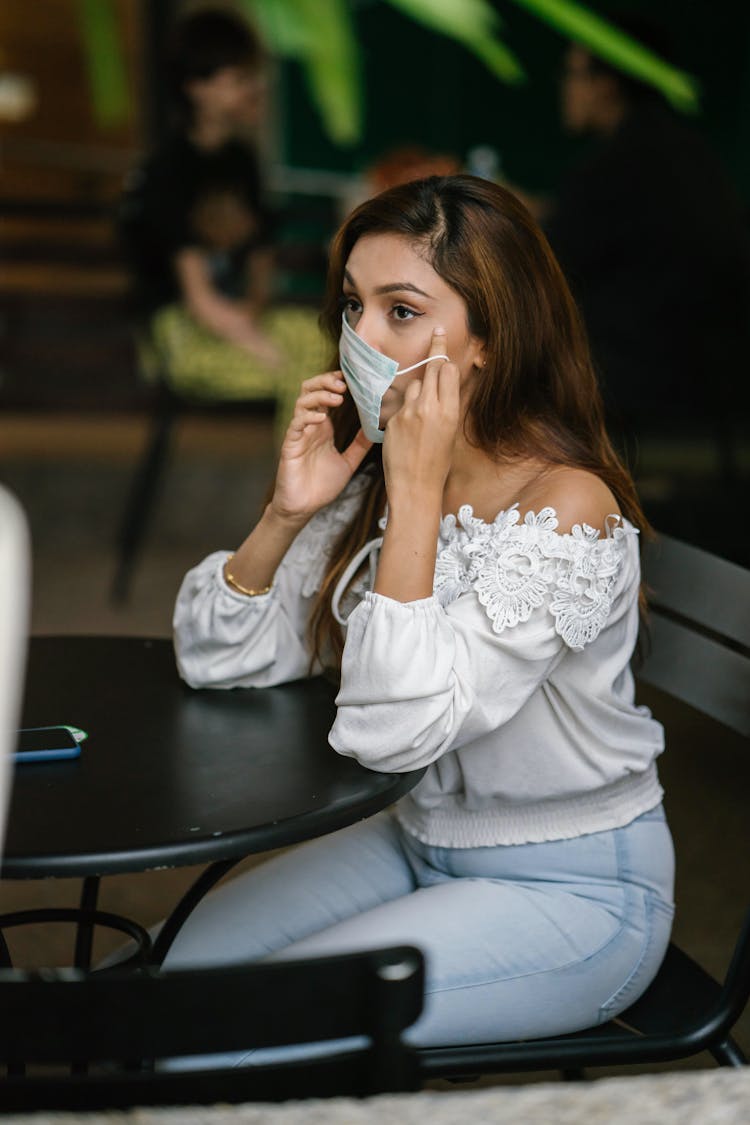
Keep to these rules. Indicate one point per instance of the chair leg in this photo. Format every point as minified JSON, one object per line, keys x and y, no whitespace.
{"x":85,"y":929}
{"x":729,"y":1053}
{"x":141,"y":498}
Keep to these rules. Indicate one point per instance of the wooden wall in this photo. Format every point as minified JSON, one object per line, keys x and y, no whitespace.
{"x":61,"y":152}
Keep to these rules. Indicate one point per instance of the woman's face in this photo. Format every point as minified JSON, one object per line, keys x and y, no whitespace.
{"x":234,"y":94}
{"x":394,"y":300}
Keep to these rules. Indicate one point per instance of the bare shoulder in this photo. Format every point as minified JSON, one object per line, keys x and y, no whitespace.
{"x":576,"y":495}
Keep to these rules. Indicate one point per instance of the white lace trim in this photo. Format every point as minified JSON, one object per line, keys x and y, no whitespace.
{"x":515,"y":567}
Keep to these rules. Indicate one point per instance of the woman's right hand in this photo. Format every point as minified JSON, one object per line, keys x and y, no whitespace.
{"x":312,"y":472}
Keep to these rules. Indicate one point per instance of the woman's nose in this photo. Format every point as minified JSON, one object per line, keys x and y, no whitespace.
{"x":366,"y":328}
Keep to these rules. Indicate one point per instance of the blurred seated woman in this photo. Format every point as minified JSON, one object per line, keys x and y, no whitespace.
{"x":199,"y":234}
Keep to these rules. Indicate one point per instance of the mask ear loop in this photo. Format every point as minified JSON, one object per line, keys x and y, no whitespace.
{"x":368,"y":549}
{"x":405,"y":370}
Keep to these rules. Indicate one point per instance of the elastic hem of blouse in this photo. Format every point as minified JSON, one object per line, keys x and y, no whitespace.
{"x":373,"y":599}
{"x":612,"y":806}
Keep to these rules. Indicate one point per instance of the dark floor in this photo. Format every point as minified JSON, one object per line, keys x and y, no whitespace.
{"x":71,"y":473}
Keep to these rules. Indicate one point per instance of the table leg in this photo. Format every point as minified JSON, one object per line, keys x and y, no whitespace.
{"x":85,"y":928}
{"x":173,"y":924}
{"x":84,"y":942}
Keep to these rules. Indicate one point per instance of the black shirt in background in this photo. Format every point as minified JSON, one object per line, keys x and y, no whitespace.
{"x":154,"y":216}
{"x":653,"y":239}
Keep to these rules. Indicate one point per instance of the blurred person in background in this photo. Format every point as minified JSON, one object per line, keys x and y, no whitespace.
{"x":405,"y":163}
{"x":398,"y":165}
{"x":653,"y":239}
{"x":199,"y":233}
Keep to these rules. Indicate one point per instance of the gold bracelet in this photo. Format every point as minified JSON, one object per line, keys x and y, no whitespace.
{"x":232,"y":581}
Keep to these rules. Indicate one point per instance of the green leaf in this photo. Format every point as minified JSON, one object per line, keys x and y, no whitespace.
{"x":321,"y":35}
{"x":474,"y":24}
{"x":609,"y":43}
{"x":282,"y":32}
{"x":104,"y":61}
{"x":452,"y":17}
{"x":498,"y":59}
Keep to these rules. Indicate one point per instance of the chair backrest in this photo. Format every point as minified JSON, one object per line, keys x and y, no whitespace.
{"x":699,"y":644}
{"x":134,"y":1019}
{"x":14,"y":604}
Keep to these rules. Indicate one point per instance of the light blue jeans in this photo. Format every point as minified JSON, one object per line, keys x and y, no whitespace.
{"x":520,"y":941}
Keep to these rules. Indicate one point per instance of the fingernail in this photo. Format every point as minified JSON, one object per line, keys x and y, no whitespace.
{"x":439,"y":330}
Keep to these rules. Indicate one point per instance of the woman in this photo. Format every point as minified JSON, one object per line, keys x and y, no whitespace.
{"x":491,"y":612}
{"x":199,"y":236}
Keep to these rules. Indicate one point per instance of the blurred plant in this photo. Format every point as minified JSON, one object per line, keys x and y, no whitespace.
{"x":320,"y":35}
{"x":104,"y":61}
{"x":603,"y":39}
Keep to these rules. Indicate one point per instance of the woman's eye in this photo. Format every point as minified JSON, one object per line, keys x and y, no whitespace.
{"x":351,"y":306}
{"x":401,"y":312}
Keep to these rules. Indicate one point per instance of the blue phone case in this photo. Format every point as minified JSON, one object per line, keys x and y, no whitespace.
{"x":49,"y":753}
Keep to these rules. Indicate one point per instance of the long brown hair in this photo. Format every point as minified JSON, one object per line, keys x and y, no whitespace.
{"x":537,"y":394}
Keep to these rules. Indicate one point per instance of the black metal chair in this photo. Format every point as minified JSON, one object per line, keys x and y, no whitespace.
{"x":114,"y":1026}
{"x":167,"y":410}
{"x":698,"y":651}
{"x":251,"y":390}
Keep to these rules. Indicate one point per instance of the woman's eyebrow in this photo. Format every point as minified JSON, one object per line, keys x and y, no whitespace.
{"x":399,"y":286}
{"x":395,"y":287}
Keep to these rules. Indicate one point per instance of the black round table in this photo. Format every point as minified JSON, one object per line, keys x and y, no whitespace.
{"x":170,"y":776}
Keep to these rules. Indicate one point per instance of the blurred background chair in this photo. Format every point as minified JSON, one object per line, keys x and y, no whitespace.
{"x":191,"y":371}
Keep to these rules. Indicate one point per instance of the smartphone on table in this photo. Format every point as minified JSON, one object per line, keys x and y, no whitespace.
{"x":46,"y":744}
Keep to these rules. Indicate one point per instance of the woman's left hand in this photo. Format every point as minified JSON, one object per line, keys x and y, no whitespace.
{"x":419,"y":438}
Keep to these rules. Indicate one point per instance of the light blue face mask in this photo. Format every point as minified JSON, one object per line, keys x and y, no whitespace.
{"x":369,"y":374}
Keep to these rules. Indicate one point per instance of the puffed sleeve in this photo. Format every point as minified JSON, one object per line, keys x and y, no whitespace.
{"x":418,"y":680}
{"x":224,"y":639}
{"x":421,"y":678}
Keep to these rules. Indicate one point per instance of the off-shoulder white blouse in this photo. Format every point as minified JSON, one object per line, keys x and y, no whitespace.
{"x":511,"y":684}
